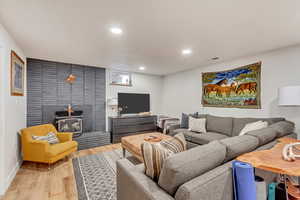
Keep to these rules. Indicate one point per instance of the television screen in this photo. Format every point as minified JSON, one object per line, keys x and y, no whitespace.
{"x":133,"y":103}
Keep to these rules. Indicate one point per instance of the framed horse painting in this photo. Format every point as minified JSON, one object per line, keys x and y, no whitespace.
{"x":235,"y":88}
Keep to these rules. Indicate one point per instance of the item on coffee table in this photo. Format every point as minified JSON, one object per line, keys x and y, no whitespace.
{"x":152,"y":138}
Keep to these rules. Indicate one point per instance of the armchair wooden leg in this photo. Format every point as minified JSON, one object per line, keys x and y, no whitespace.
{"x":49,"y":166}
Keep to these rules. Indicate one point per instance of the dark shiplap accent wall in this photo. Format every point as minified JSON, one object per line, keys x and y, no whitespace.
{"x":46,"y":88}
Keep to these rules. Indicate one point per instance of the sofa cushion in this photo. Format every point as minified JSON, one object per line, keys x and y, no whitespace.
{"x":283,"y":128}
{"x":197,"y":124}
{"x":273,"y":120}
{"x":154,"y":156}
{"x":239,"y":123}
{"x":253,"y":126}
{"x":187,"y":134}
{"x":51,"y":138}
{"x":264,"y":135}
{"x":238,"y":145}
{"x":175,"y":144}
{"x":59,"y":148}
{"x":205,"y":138}
{"x":219,"y":124}
{"x":189,"y":164}
{"x":185,"y":119}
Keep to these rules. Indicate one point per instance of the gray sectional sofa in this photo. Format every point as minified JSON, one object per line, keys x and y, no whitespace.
{"x":203,"y":172}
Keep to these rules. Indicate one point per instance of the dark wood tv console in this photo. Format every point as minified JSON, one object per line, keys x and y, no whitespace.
{"x":130,"y":125}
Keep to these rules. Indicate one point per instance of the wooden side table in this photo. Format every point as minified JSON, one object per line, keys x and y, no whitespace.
{"x":271,"y":160}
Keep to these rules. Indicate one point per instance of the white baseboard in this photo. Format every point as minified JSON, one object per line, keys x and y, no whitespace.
{"x":10,"y":178}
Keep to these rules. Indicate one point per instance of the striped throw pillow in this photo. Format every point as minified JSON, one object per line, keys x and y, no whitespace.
{"x":50,"y":137}
{"x":176,"y":144}
{"x":155,"y":154}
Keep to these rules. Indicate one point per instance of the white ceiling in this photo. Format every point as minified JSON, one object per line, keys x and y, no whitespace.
{"x":154,"y":31}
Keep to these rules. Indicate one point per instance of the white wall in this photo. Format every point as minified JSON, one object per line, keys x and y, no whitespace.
{"x":182,"y":91}
{"x":141,"y":83}
{"x":12,"y":114}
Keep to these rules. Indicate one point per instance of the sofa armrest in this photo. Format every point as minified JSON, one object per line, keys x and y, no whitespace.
{"x":40,"y":146}
{"x":133,"y":184}
{"x":172,"y":128}
{"x":215,"y":184}
{"x":64,"y":136}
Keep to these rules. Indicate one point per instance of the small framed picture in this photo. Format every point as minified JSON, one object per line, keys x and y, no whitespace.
{"x":17,"y":75}
{"x":120,"y":78}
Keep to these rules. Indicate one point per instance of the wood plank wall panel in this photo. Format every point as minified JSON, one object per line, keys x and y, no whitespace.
{"x":34,"y":95}
{"x":78,"y":85}
{"x":47,"y":87}
{"x":89,"y":90}
{"x":63,"y":89}
{"x":100,"y":99}
{"x":49,"y":92}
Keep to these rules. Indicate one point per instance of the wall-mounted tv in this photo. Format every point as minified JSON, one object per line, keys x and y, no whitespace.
{"x":132,"y":103}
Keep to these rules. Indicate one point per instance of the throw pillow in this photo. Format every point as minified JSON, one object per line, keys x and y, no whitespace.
{"x":185,"y":119}
{"x":176,"y":144}
{"x":253,"y":126}
{"x":155,"y":154}
{"x":50,"y":137}
{"x":197,"y":125}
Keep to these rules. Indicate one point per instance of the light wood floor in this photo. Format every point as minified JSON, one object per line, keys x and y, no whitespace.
{"x":36,"y":182}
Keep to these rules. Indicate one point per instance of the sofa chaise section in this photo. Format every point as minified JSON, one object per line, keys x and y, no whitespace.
{"x":133,"y":184}
{"x":200,"y":173}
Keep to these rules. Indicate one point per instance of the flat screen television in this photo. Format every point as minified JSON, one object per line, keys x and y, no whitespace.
{"x":132,"y":103}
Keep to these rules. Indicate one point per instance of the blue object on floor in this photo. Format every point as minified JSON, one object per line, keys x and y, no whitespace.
{"x":271,"y":191}
{"x":244,"y":182}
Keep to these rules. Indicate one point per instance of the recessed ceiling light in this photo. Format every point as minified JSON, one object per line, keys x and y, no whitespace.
{"x":142,"y":68}
{"x":116,"y":30}
{"x":215,"y":58}
{"x":186,"y":51}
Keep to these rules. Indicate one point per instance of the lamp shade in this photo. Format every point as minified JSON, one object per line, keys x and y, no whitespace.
{"x":289,"y":96}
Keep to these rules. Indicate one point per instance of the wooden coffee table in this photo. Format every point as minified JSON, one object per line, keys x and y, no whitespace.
{"x":133,"y":143}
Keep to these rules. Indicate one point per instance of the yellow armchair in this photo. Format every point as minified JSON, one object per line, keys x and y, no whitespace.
{"x":42,"y":151}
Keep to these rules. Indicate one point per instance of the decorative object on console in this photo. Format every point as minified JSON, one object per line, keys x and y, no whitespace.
{"x":17,"y":69}
{"x":113,"y":105}
{"x":112,"y":102}
{"x":236,"y":88}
